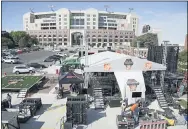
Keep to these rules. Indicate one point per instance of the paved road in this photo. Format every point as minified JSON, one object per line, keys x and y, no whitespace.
{"x":37,"y":56}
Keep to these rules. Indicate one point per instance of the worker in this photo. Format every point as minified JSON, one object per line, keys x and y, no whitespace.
{"x":9,"y":98}
{"x":125,"y":107}
{"x":181,"y":90}
{"x":135,"y":111}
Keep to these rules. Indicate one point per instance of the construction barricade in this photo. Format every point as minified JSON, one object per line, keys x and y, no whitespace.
{"x":162,"y":124}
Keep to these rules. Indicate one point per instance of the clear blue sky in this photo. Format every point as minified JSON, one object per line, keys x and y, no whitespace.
{"x":170,"y":17}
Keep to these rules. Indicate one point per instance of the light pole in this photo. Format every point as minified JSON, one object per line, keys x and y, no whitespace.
{"x":106,"y":7}
{"x":138,"y":45}
{"x":52,"y":9}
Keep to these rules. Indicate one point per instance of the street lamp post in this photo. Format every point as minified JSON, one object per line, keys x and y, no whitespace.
{"x":138,"y":45}
{"x":106,"y":7}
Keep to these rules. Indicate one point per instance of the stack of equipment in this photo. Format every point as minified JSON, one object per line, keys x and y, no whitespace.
{"x":76,"y":110}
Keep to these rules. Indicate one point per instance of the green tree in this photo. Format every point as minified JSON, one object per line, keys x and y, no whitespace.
{"x":25,"y":41}
{"x":17,"y":35}
{"x":7,"y":42}
{"x":182,"y":61}
{"x":33,"y":41}
{"x":145,"y":40}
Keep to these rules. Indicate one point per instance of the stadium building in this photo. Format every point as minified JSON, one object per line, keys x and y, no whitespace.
{"x":65,"y":27}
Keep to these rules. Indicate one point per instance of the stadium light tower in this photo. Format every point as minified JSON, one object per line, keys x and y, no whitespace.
{"x":130,"y":10}
{"x":109,"y":12}
{"x":31,"y":10}
{"x":52,"y":9}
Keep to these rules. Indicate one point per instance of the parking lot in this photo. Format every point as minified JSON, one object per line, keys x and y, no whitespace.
{"x":32,"y":57}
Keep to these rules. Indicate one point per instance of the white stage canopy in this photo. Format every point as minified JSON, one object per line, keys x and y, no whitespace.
{"x":101,"y":57}
{"x":127,"y":70}
{"x":114,"y":62}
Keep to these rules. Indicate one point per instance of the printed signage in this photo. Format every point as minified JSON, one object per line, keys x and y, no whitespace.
{"x":107,"y":67}
{"x":71,"y":76}
{"x":132,"y":83}
{"x":148,"y":65}
{"x":128,"y":64}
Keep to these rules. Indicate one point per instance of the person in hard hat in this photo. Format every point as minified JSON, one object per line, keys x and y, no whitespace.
{"x":9,"y":98}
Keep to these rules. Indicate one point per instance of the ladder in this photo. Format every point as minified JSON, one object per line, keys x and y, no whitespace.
{"x":98,"y":98}
{"x":22,"y":93}
{"x":160,"y":97}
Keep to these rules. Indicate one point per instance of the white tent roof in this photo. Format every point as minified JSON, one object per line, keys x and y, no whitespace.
{"x":101,"y":57}
{"x":116,"y":63}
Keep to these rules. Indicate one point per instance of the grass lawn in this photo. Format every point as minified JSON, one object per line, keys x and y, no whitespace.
{"x":19,"y":82}
{"x":183,"y":103}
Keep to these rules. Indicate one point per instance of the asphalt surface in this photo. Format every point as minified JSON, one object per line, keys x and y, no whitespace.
{"x":25,"y":58}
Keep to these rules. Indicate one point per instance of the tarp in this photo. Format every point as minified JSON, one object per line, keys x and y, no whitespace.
{"x":70,"y":77}
{"x":124,"y":63}
{"x":124,"y":81}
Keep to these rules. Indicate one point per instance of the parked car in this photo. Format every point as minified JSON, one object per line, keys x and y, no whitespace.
{"x":11,"y":60}
{"x":35,"y":48}
{"x":52,"y":58}
{"x":56,"y":50}
{"x":23,"y":69}
{"x":36,"y":65}
{"x":13,"y":56}
{"x":26,"y":50}
{"x":61,"y":54}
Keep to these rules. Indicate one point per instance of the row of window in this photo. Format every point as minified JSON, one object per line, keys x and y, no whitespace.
{"x":77,"y":21}
{"x":49,"y":20}
{"x":99,"y":44}
{"x":64,"y":15}
{"x":50,"y":39}
{"x":47,"y":24}
{"x":88,"y":23}
{"x":88,"y":19}
{"x":89,"y":27}
{"x":106,"y":32}
{"x":46,"y":44}
{"x":60,"y":36}
{"x":47,"y":28}
{"x":65,"y":19}
{"x":109,"y":24}
{"x":90,"y":15}
{"x":77,"y":14}
{"x":65,"y":23}
{"x":110,"y":40}
{"x":88,"y":36}
{"x":105,"y":36}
